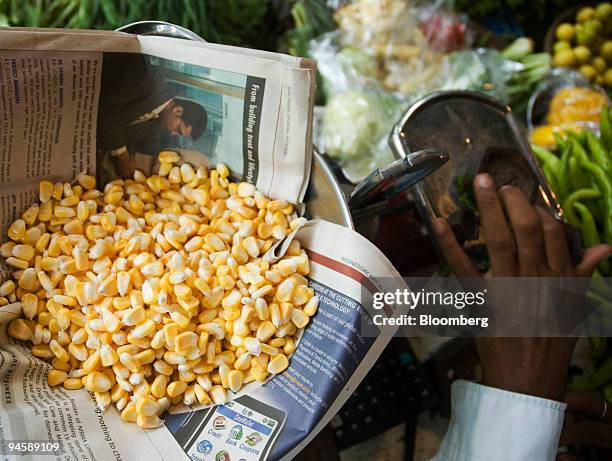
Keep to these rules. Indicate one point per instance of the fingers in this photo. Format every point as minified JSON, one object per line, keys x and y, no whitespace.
{"x":599,"y":434}
{"x":459,"y":262}
{"x":500,"y":243}
{"x":591,"y":258}
{"x":555,"y":243}
{"x":527,"y":229}
{"x":588,"y":404}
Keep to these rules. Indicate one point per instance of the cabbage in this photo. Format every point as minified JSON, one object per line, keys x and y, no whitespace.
{"x":355,"y":130}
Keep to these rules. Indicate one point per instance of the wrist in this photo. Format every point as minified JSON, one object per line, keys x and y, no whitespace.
{"x":535,"y":384}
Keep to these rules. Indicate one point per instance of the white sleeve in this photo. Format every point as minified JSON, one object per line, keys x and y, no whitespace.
{"x":489,"y":423}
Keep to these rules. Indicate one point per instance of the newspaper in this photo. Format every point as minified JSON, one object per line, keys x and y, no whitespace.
{"x":50,"y":90}
{"x":250,"y":110}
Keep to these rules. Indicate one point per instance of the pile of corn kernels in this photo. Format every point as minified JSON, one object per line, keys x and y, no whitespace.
{"x":156,"y":291}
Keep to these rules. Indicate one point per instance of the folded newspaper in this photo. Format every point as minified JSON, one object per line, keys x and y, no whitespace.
{"x":67,"y":99}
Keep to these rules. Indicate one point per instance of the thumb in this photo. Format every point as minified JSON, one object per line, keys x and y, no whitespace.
{"x":592,"y":257}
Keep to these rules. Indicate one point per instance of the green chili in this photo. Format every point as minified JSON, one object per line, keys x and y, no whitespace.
{"x":605,"y":127}
{"x":546,"y":157}
{"x":577,"y":177}
{"x":560,"y":140}
{"x":605,"y":185}
{"x":568,"y":203}
{"x":600,"y":377}
{"x":563,"y":176}
{"x":590,"y":236}
{"x":577,"y":149}
{"x":599,"y":154}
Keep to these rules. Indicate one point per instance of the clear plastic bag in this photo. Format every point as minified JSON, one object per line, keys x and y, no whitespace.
{"x":385,"y":54}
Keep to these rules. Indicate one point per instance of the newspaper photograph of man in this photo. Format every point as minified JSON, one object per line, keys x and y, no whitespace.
{"x":140,"y":112}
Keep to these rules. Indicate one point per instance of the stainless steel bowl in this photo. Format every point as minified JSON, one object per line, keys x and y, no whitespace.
{"x":324,"y":198}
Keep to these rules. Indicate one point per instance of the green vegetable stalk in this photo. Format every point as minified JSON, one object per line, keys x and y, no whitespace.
{"x":605,"y":185}
{"x":581,"y":194}
{"x":518,"y":49}
{"x":605,"y":127}
{"x":590,"y":236}
{"x":598,"y":152}
{"x":599,"y":378}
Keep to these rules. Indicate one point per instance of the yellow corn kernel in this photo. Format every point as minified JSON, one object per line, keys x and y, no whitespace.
{"x":103,"y":400}
{"x":201,"y":395}
{"x":235,"y":379}
{"x":73,"y":383}
{"x":311,"y":306}
{"x":143,"y":329}
{"x":32,"y":235}
{"x":30,"y":215}
{"x":98,"y":382}
{"x":86,"y":181}
{"x":7,"y":288}
{"x":146,"y":406}
{"x":28,"y":280}
{"x":278,"y":364}
{"x":185,"y":341}
{"x":65,"y":300}
{"x":6,"y":249}
{"x":148,"y":422}
{"x":59,"y":351}
{"x":265,"y":331}
{"x":168,"y":156}
{"x":218,"y":395}
{"x":45,"y":190}
{"x":63,"y":212}
{"x":299,"y":318}
{"x":56,"y":377}
{"x":92,"y":363}
{"x":146,"y":356}
{"x":129,"y":413}
{"x":16,"y":231}
{"x":19,"y":329}
{"x":289,"y":346}
{"x":108,"y":356}
{"x":158,"y":387}
{"x":41,"y":350}
{"x":176,"y":388}
{"x":17,"y":263}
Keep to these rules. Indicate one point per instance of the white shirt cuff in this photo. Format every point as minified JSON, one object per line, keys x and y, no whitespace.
{"x":489,"y":423}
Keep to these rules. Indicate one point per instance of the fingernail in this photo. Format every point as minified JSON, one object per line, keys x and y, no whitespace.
{"x":505,"y":187}
{"x":438,"y":226}
{"x":484,"y":181}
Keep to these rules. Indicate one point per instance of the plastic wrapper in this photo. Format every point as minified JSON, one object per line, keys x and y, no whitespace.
{"x":483,"y":70}
{"x":385,"y":54}
{"x":563,"y":101}
{"x":355,"y":128}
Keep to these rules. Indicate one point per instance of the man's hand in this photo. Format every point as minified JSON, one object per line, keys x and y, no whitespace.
{"x":530,"y":243}
{"x":124,"y":164}
{"x":584,"y":423}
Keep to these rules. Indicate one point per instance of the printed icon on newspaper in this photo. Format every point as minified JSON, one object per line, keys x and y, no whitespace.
{"x":204,"y":447}
{"x":253,"y":439}
{"x":222,"y":456}
{"x":219,"y":423}
{"x":236,"y":432}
